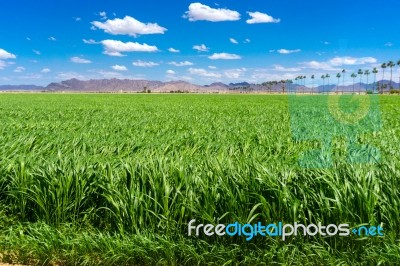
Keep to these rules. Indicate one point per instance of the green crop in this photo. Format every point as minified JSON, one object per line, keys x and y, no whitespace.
{"x":145,"y":165}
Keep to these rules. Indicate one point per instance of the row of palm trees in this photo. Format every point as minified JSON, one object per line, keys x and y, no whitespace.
{"x":301,"y":80}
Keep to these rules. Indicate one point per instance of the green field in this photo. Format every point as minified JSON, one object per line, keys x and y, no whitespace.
{"x":95,"y":179}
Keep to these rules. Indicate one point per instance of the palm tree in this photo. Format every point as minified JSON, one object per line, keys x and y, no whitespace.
{"x":323,"y":83}
{"x":327,"y":76}
{"x":312,"y":86}
{"x":343,"y":73}
{"x":288,"y":82}
{"x":304,"y":84}
{"x":360,"y":73}
{"x":269,"y":85}
{"x":291,"y":82}
{"x":383,"y":87}
{"x":266,"y":85}
{"x":398,"y":63}
{"x":354,"y":75}
{"x":383,"y":66}
{"x":367,"y":73}
{"x":375,"y":71}
{"x":301,"y":82}
{"x":338,"y":79}
{"x":283,"y":86}
{"x":391,"y":65}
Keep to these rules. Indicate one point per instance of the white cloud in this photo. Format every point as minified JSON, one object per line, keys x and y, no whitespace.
{"x":224,"y":56}
{"x":180,"y":64}
{"x":201,"y":48}
{"x":233,"y":41}
{"x":90,"y":41}
{"x":339,"y":61}
{"x":284,"y":69}
{"x":113,"y":74}
{"x":3,"y":64}
{"x":140,"y":63}
{"x":203,"y":73}
{"x":96,"y":74}
{"x":260,"y":75}
{"x":45,"y":70}
{"x":110,"y":74}
{"x":336,"y":63}
{"x":258,"y":17}
{"x":19,"y":69}
{"x":212,"y":67}
{"x":172,"y":77}
{"x":79,"y":60}
{"x":31,"y":76}
{"x":185,"y":78}
{"x":170,"y":72}
{"x":326,"y":43}
{"x":285,"y":51}
{"x":119,"y":68}
{"x":6,"y":55}
{"x":28,"y":39}
{"x":319,"y":65}
{"x":36,"y":52}
{"x":128,"y":26}
{"x":198,"y":11}
{"x":116,"y":48}
{"x":103,"y":15}
{"x":70,"y":75}
{"x":77,"y":18}
{"x":247,"y":40}
{"x":389,"y":44}
{"x":52,"y":39}
{"x":110,"y":53}
{"x":235,"y":73}
{"x":172,"y":50}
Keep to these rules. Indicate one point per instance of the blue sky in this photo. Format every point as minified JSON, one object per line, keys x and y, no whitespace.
{"x":200,"y":42}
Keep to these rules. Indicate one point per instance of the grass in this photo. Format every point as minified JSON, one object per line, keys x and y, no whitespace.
{"x":114,"y":180}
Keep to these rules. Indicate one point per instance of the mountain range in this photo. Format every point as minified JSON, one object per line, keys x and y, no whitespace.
{"x":127,"y":85}
{"x":20,"y":88}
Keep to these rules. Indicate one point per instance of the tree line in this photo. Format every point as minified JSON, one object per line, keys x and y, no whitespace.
{"x":300,"y":82}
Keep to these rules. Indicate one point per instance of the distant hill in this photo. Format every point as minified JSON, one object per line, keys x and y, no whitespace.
{"x":103,"y":85}
{"x":20,"y":88}
{"x":217,"y":84}
{"x":241,"y":84}
{"x":128,"y":85}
